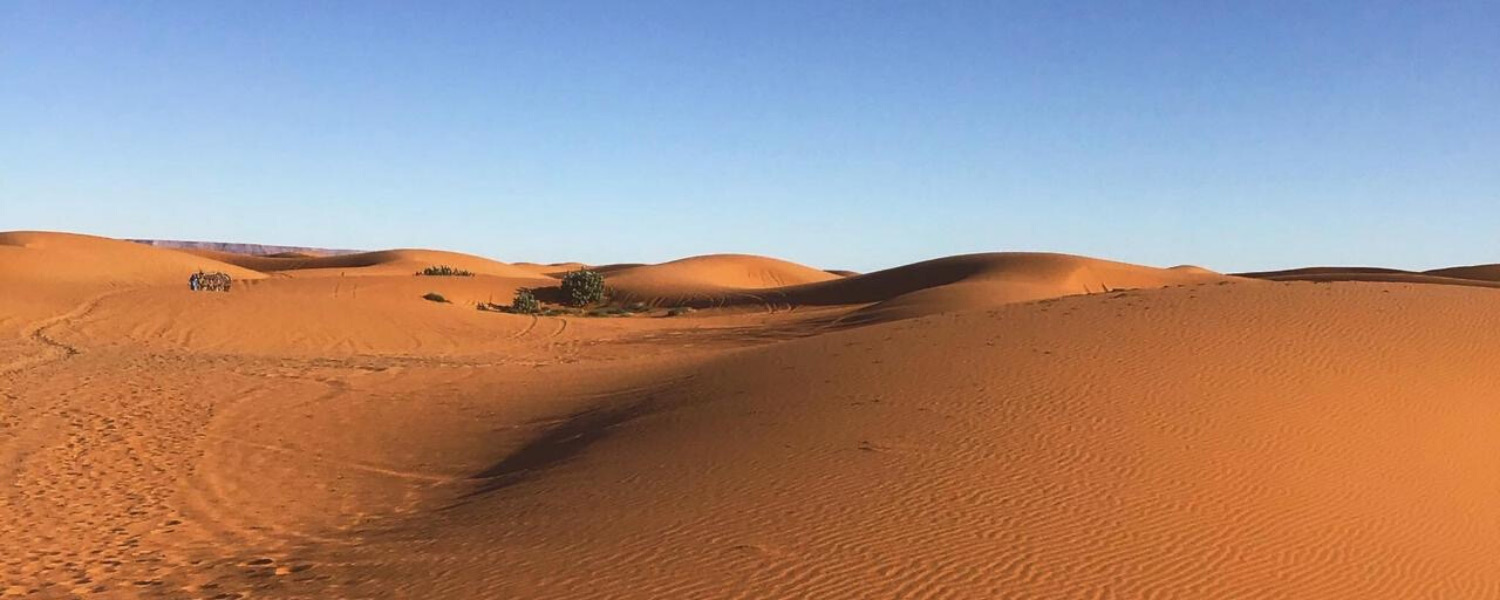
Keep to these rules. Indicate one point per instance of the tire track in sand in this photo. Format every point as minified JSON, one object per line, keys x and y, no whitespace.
{"x":54,"y":350}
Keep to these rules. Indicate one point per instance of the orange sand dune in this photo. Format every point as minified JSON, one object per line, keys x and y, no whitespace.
{"x":945,"y":284}
{"x":69,"y":258}
{"x":555,"y":270}
{"x":320,"y":316}
{"x":47,"y":273}
{"x":707,"y":277}
{"x":1268,"y":441}
{"x":385,"y":262}
{"x":1202,"y":436}
{"x":978,"y":281}
{"x":616,"y":267}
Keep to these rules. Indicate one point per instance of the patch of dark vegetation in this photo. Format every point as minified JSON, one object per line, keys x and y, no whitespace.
{"x":444,"y":271}
{"x":434,"y":297}
{"x":525,"y":303}
{"x":583,"y":288}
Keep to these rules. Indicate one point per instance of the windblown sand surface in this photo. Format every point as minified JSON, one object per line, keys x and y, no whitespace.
{"x":981,"y":426}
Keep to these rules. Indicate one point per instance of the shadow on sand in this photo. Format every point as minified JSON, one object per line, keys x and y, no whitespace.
{"x":558,"y":444}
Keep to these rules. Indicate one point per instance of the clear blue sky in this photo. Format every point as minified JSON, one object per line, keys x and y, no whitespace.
{"x":859,"y":134}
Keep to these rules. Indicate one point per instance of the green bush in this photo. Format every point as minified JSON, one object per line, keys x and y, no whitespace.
{"x":525,"y":303}
{"x":445,"y":271}
{"x":583,"y":287}
{"x":434,"y":297}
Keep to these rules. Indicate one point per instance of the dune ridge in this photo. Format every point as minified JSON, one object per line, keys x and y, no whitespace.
{"x":1473,"y":276}
{"x":954,"y":283}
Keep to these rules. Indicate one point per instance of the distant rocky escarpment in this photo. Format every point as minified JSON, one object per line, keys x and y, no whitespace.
{"x":254,"y":249}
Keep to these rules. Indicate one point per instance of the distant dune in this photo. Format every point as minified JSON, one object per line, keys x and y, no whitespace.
{"x":1001,"y":425}
{"x":947,"y":284}
{"x":1475,"y":276}
{"x":708,"y":278}
{"x":239,"y":248}
{"x":385,"y":262}
{"x":1475,"y":272}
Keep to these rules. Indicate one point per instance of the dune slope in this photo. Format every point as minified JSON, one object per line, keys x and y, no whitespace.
{"x":47,"y":273}
{"x":56,"y":258}
{"x":1291,"y":440}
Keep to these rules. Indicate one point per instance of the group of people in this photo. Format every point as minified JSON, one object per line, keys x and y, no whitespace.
{"x":212,"y":282}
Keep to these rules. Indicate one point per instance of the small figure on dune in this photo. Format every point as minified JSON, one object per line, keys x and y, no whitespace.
{"x":193,"y":280}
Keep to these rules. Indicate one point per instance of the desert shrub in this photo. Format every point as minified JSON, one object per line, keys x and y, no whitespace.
{"x":434,"y":297}
{"x":679,"y":311}
{"x":583,"y":287}
{"x":445,"y":271}
{"x":637,"y":307}
{"x":525,"y":303}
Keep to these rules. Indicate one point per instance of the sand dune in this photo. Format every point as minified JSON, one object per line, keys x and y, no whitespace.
{"x":555,"y":270}
{"x":997,"y":425}
{"x":707,"y":279}
{"x":1446,"y":275}
{"x":965,"y":282}
{"x":367,"y":264}
{"x":1201,"y":442}
{"x":47,"y":273}
{"x":68,"y":258}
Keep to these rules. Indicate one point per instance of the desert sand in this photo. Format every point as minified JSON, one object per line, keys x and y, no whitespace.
{"x":1009,"y":425}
